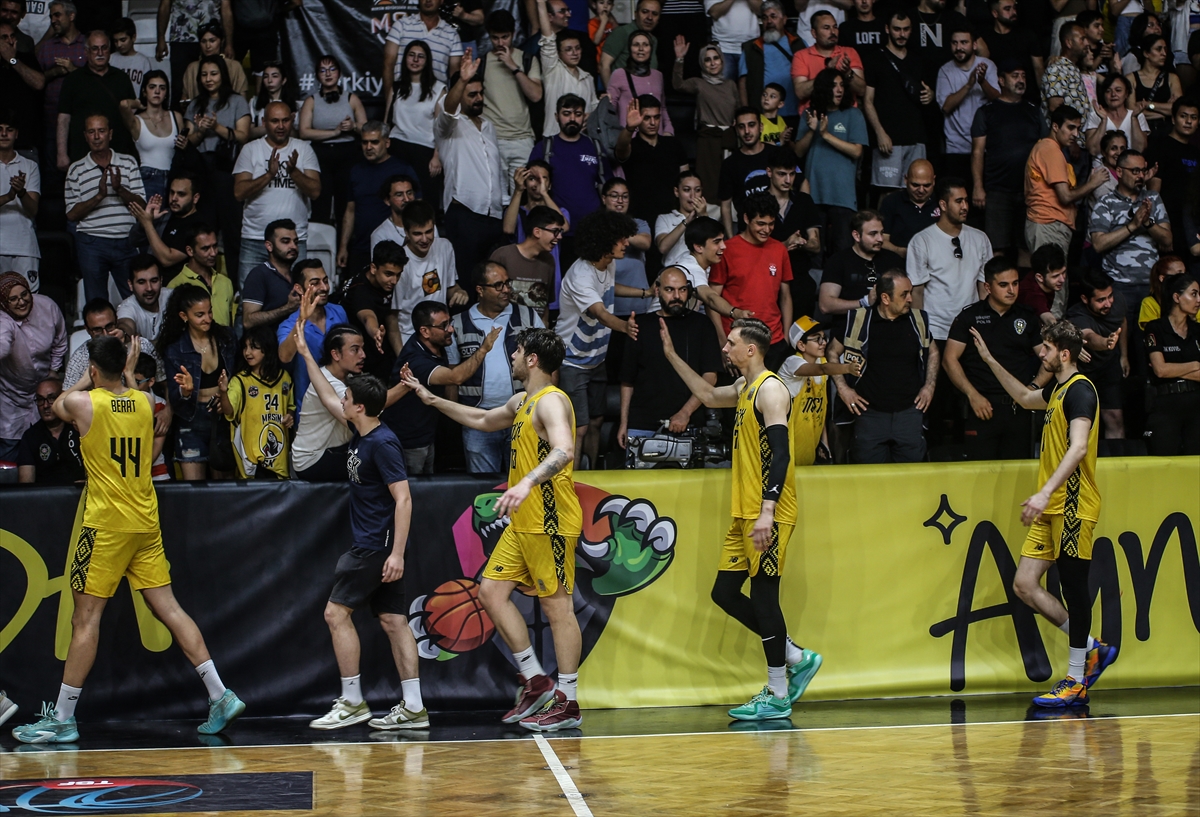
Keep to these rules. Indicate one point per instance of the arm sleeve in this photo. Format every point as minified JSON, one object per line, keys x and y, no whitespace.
{"x":254,"y":291}
{"x":781,"y":460}
{"x":960,"y":331}
{"x":1081,"y":400}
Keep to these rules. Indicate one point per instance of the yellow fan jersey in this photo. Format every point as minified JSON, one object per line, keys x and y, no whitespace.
{"x":118,"y":451}
{"x":553,"y":506}
{"x":1078,"y":497}
{"x":752,"y":459}
{"x":259,"y":437}
{"x":809,"y":407}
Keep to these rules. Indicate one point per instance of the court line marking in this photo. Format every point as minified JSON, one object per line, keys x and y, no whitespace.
{"x":1097,"y":719}
{"x":564,"y":780}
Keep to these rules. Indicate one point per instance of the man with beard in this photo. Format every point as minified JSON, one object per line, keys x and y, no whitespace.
{"x":744,"y":172}
{"x":963,"y":85}
{"x":166,"y":231}
{"x":1100,"y":316}
{"x":367,"y":300}
{"x":268,"y":295}
{"x":473,"y":192}
{"x":1007,"y":40}
{"x":863,"y":31}
{"x":910,"y":211}
{"x":145,"y":307}
{"x":64,"y":50}
{"x":652,"y":394}
{"x":307,"y":276}
{"x":848,"y":280}
{"x":652,"y":161}
{"x":769,"y":59}
{"x":826,"y":53}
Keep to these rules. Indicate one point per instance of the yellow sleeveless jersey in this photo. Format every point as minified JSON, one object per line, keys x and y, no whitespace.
{"x":809,"y":407}
{"x":259,"y":437}
{"x":752,"y":460}
{"x":553,"y":506}
{"x":1078,"y":496}
{"x":117,"y":453}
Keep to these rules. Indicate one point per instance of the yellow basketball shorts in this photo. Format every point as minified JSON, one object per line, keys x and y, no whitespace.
{"x":103,"y":557}
{"x":542,"y":561}
{"x":1053,"y":535}
{"x":738,"y":551}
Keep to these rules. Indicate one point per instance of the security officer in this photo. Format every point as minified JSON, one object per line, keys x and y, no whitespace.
{"x":1173,"y":347}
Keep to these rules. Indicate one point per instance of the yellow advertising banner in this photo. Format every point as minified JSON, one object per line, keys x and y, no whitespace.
{"x":900,"y":576}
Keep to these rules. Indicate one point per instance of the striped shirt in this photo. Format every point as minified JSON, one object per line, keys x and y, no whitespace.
{"x":585,"y":337}
{"x":111,"y":217}
{"x":443,"y":42}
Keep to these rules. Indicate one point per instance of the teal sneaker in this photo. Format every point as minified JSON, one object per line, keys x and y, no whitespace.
{"x":48,"y":729}
{"x":762,"y":707}
{"x":800,"y":675}
{"x":222,"y":712}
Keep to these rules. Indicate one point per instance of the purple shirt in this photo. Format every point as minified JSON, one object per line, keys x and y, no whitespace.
{"x":47,"y":52}
{"x":29,"y":350}
{"x":577,"y":170}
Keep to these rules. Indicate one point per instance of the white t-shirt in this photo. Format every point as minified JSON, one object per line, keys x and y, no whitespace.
{"x":585,"y":337}
{"x":135,"y":66}
{"x":1126,"y":126}
{"x":949,"y":281}
{"x":388,"y":230}
{"x":148,"y":323}
{"x":735,"y":27}
{"x":665,"y":224}
{"x":423,"y":279}
{"x":18,"y":236}
{"x":804,"y":24}
{"x":412,"y":118}
{"x":316,"y":430}
{"x":697,"y":275}
{"x":280,"y":198}
{"x":36,"y":21}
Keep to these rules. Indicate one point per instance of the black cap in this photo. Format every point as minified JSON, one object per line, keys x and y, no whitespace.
{"x":1009,"y":64}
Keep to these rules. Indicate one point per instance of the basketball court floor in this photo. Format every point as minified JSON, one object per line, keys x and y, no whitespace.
{"x":1132,"y":752}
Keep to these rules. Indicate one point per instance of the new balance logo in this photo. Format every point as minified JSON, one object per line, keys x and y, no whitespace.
{"x":498,"y":568}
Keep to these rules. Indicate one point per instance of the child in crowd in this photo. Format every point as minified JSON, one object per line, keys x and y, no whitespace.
{"x":774,"y":128}
{"x":260,"y":402}
{"x":601,"y":24}
{"x":146,"y":369}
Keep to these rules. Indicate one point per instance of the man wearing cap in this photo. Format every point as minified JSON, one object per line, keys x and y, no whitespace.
{"x":806,"y":374}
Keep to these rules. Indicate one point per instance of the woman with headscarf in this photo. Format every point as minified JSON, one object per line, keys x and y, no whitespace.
{"x":33,"y":343}
{"x":637,"y":78}
{"x":716,"y":100}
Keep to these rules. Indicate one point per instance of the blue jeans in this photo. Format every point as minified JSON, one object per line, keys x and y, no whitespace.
{"x":731,"y":68}
{"x":101,"y":257}
{"x":253,"y":253}
{"x":487,"y":451}
{"x":155,"y":182}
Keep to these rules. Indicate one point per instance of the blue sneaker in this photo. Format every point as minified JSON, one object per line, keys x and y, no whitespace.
{"x":48,"y":729}
{"x":762,"y":707}
{"x":800,"y":675}
{"x":1099,"y":658}
{"x":222,"y":712}
{"x":1067,"y":692}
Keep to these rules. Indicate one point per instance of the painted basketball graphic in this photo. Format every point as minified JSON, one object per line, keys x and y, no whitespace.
{"x":455,"y":618}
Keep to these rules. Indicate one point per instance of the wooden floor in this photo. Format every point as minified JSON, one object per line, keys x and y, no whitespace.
{"x":1136,"y":765}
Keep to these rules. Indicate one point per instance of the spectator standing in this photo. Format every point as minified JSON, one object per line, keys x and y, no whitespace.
{"x":168,"y":231}
{"x":798,"y":226}
{"x":367,"y":300}
{"x":213,"y":43}
{"x":624,"y":85}
{"x":679,"y":18}
{"x":563,"y":75}
{"x":147,"y":306}
{"x":909,"y":212}
{"x":964,"y":84}
{"x":492,"y":384}
{"x":735,"y":22}
{"x":100,"y":188}
{"x":826,"y":54}
{"x":63,"y":51}
{"x":1050,"y":187}
{"x":849,"y":278}
{"x":1173,"y":347}
{"x":1003,"y":134}
{"x":706,"y":242}
{"x":13,"y":13}
{"x":180,"y":24}
{"x":1155,"y":84}
{"x":617,"y":46}
{"x":1044,"y":289}
{"x":1062,"y":84}
{"x":864,"y":31}
{"x":531,"y":264}
{"x":49,"y":450}
{"x":768,"y":58}
{"x":1010,"y":41}
{"x":831,"y":139}
{"x":257,"y":25}
{"x":33,"y":343}
{"x":274,"y":85}
{"x":716,"y":102}
{"x":443,"y":44}
{"x":512,"y":83}
{"x":996,"y":428}
{"x":1111,"y":112}
{"x":1176,"y":159}
{"x":534,"y":183}
{"x":156,"y":131}
{"x":20,"y":195}
{"x":651,"y":160}
{"x":201,"y":271}
{"x":97,"y":88}
{"x":268,"y":295}
{"x":1100,"y":315}
{"x":260,"y":404}
{"x":669,"y":227}
{"x":124,"y":56}
{"x":744,"y":171}
{"x":21,"y":85}
{"x":632,"y":273}
{"x":899,"y":366}
{"x":366,"y":206}
{"x":431,"y":274}
{"x":310,"y":278}
{"x":320,"y":447}
{"x":559,"y":20}
{"x":413,"y":109}
{"x":100,"y":318}
{"x":330,"y":120}
{"x":399,"y":192}
{"x":276,"y":177}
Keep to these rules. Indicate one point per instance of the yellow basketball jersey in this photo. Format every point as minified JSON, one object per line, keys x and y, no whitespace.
{"x":752,"y":459}
{"x":1079,"y":495}
{"x":259,"y":437}
{"x":807,"y":419}
{"x":117,"y":454}
{"x":553,"y":506}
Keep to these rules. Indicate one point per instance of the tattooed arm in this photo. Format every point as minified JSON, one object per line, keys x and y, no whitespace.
{"x":553,"y":417}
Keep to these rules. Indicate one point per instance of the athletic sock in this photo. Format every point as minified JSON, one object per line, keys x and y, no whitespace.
{"x":1066,"y":628}
{"x":68,"y":696}
{"x":212,"y":681}
{"x":1078,"y":659}
{"x":527,"y":663}
{"x":568,"y":682}
{"x":411,"y":690}
{"x":795,"y":653}
{"x":352,"y":690}
{"x":777,"y":681}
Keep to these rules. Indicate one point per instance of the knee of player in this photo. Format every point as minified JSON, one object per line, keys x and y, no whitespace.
{"x":493,"y":594}
{"x":1022,"y":589}
{"x":336,"y":614}
{"x":393,"y":624}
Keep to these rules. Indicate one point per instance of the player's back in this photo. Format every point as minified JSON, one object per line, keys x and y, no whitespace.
{"x":553,"y":506}
{"x":752,"y":459}
{"x":117,"y":452}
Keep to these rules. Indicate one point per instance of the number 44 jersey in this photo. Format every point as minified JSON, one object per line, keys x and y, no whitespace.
{"x":117,"y":453}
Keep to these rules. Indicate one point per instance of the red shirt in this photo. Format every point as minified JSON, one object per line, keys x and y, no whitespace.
{"x":751,"y":277}
{"x":1030,"y":294}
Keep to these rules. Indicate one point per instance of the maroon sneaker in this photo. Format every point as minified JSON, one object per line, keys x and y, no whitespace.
{"x":558,"y":714}
{"x":533,"y":696}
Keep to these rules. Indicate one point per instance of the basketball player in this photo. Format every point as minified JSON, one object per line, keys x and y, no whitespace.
{"x":1062,"y":514}
{"x":764,"y":512}
{"x":537,"y":549}
{"x":120,"y":536}
{"x":371,"y":571}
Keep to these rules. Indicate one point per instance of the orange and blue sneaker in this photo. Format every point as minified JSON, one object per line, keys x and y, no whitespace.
{"x":1099,"y":658}
{"x":1067,"y":692}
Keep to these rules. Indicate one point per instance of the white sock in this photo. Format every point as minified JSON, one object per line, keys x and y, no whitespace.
{"x":569,"y":684}
{"x":777,"y":681}
{"x":64,"y":710}
{"x":352,"y":690}
{"x":1066,"y":628}
{"x":527,"y":663}
{"x":795,"y":654}
{"x":212,"y":681}
{"x":411,"y":690}
{"x":1078,"y":659}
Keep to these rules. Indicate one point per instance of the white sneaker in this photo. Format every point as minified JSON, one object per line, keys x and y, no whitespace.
{"x":7,"y":707}
{"x":401,"y":718}
{"x":343,"y":714}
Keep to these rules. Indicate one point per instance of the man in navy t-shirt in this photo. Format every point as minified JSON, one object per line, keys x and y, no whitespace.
{"x":575,"y":161}
{"x":371,"y":571}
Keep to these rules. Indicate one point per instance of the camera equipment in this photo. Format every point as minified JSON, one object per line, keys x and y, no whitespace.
{"x":692,"y":448}
{"x":446,"y":12}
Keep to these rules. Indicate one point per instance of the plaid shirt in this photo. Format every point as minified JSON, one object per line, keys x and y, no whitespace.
{"x":47,"y":53}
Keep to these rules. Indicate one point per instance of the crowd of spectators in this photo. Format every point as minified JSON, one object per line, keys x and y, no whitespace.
{"x":872,"y":180}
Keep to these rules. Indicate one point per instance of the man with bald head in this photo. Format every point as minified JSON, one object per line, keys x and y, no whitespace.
{"x":97,"y":88}
{"x":911,"y":210}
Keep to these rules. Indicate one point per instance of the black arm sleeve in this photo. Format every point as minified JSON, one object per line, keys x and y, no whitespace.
{"x":781,"y":461}
{"x":1081,"y":400}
